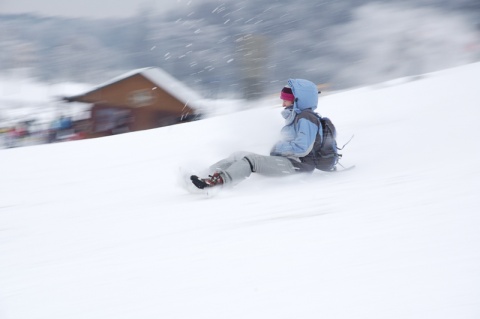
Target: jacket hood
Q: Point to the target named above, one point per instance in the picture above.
(306, 94)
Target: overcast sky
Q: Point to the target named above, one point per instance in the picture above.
(90, 8)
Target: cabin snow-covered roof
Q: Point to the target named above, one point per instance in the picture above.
(163, 80)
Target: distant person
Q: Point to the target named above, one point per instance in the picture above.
(295, 153)
(11, 138)
(53, 130)
(65, 123)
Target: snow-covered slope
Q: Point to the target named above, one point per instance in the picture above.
(102, 228)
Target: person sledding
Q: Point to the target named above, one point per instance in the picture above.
(302, 148)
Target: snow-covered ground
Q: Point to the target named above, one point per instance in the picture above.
(103, 229)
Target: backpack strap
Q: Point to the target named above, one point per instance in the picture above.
(319, 122)
(319, 140)
(341, 148)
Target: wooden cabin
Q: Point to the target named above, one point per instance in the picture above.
(138, 100)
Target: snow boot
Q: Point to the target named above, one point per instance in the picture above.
(202, 183)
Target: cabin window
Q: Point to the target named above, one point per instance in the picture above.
(141, 98)
(112, 119)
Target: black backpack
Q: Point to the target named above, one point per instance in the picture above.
(326, 156)
(325, 152)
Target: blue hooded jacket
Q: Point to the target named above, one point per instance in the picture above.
(305, 93)
(302, 128)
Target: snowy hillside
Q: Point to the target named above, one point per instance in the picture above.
(102, 228)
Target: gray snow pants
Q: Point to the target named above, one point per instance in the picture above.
(240, 165)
